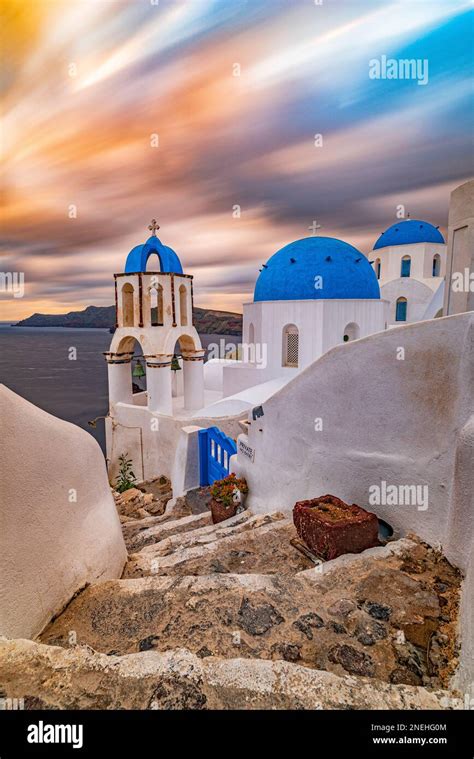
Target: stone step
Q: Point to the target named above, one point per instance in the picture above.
(165, 529)
(132, 527)
(338, 621)
(200, 530)
(258, 544)
(54, 678)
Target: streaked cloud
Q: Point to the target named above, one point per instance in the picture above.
(88, 84)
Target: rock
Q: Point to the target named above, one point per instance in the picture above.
(408, 657)
(369, 634)
(147, 499)
(257, 620)
(338, 628)
(142, 514)
(378, 611)
(174, 692)
(130, 495)
(157, 507)
(287, 651)
(342, 608)
(419, 633)
(353, 661)
(203, 652)
(402, 675)
(307, 623)
(148, 643)
(218, 567)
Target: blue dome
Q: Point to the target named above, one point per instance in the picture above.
(290, 274)
(409, 232)
(138, 257)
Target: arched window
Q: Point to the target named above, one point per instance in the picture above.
(377, 267)
(436, 265)
(183, 306)
(290, 345)
(156, 306)
(127, 305)
(406, 266)
(251, 334)
(401, 310)
(351, 332)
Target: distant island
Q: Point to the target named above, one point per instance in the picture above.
(206, 321)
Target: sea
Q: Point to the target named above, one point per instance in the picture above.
(63, 370)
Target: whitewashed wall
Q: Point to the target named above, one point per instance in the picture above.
(59, 527)
(382, 419)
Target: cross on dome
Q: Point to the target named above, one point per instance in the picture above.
(153, 226)
(314, 227)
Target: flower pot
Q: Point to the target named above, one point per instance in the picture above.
(220, 511)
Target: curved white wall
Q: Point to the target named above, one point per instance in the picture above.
(360, 415)
(50, 544)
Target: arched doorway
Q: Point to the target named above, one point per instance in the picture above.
(127, 373)
(377, 267)
(436, 265)
(351, 332)
(188, 381)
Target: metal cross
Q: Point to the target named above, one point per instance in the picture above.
(153, 227)
(314, 227)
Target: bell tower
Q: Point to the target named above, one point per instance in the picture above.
(155, 308)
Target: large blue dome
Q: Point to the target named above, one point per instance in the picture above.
(408, 232)
(317, 268)
(138, 257)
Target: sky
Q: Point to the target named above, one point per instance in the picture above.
(203, 114)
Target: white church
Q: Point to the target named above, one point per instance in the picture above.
(310, 296)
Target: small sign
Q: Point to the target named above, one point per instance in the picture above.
(246, 450)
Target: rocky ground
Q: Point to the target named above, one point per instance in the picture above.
(232, 615)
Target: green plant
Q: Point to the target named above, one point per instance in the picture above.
(224, 490)
(125, 478)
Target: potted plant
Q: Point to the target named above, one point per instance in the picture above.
(227, 497)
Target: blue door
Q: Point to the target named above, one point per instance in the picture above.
(215, 450)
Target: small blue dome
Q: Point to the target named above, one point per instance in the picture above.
(317, 268)
(408, 232)
(138, 257)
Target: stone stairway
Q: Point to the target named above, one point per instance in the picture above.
(213, 616)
